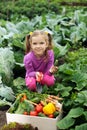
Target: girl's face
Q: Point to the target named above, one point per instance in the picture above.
(38, 45)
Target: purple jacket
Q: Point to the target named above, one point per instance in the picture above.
(33, 65)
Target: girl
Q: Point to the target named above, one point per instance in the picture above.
(39, 60)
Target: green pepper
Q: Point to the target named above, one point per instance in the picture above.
(41, 114)
(56, 113)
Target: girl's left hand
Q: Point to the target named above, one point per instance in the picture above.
(53, 69)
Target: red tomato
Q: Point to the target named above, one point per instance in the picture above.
(25, 113)
(33, 113)
(39, 108)
(51, 116)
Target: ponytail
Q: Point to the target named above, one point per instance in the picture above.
(50, 46)
(27, 44)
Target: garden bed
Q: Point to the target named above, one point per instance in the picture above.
(2, 118)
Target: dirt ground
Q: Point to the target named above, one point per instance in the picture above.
(2, 118)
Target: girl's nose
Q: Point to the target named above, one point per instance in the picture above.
(38, 45)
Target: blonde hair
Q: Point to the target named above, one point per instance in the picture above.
(47, 36)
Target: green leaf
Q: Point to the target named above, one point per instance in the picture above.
(82, 98)
(4, 103)
(85, 114)
(19, 56)
(65, 93)
(75, 112)
(62, 49)
(7, 93)
(80, 79)
(19, 81)
(69, 120)
(81, 127)
(11, 27)
(65, 68)
(2, 31)
(65, 123)
(6, 64)
(63, 90)
(75, 37)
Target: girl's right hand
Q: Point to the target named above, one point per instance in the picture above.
(39, 76)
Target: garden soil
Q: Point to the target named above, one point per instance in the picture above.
(2, 118)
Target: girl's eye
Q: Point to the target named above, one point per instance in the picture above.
(41, 43)
(34, 43)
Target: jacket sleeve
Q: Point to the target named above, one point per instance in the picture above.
(29, 67)
(50, 62)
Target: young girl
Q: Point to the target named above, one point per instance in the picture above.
(39, 60)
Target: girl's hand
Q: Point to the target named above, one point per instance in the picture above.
(39, 76)
(53, 69)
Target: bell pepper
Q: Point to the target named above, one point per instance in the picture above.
(49, 109)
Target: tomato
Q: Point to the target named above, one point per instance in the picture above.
(33, 113)
(25, 113)
(51, 116)
(39, 108)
